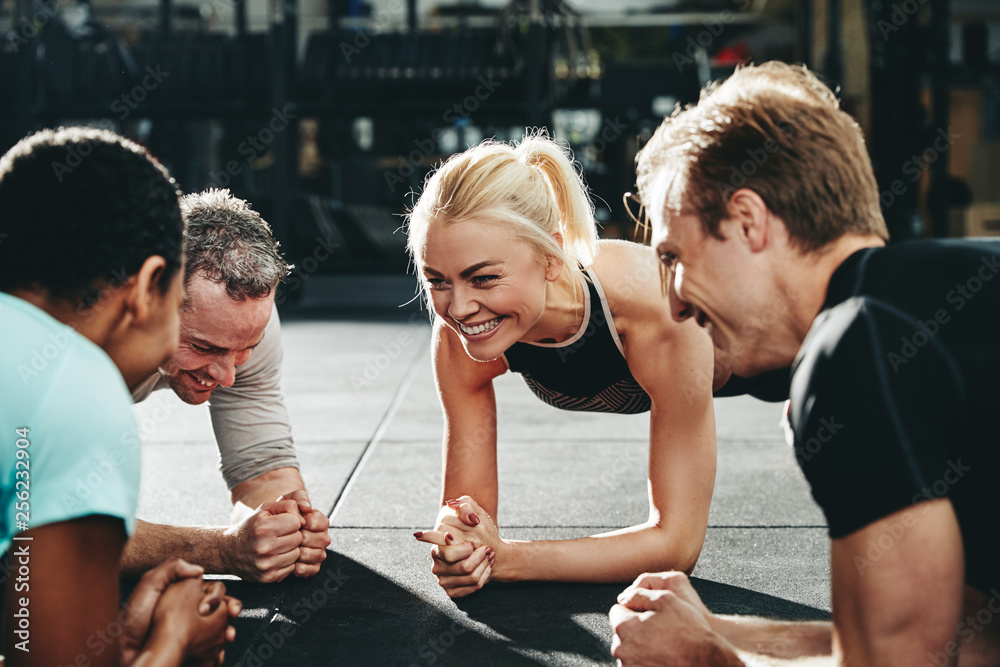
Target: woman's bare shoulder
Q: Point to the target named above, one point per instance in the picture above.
(629, 273)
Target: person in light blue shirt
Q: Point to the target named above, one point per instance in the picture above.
(67, 416)
(91, 272)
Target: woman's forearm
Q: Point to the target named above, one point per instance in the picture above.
(479, 482)
(614, 557)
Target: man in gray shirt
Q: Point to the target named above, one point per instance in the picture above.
(230, 352)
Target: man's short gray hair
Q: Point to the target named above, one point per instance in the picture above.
(229, 243)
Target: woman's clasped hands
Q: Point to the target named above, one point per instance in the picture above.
(467, 548)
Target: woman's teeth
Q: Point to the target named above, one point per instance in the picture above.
(479, 328)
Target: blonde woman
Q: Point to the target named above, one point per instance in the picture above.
(505, 243)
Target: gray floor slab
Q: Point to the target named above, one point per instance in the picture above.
(541, 483)
(332, 418)
(182, 485)
(758, 482)
(788, 563)
(520, 415)
(746, 418)
(163, 417)
(337, 378)
(756, 485)
(341, 376)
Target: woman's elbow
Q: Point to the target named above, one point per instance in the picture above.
(683, 562)
(678, 553)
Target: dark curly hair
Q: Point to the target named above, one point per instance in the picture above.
(82, 209)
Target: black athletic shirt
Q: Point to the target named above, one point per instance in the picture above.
(895, 392)
(586, 373)
(589, 373)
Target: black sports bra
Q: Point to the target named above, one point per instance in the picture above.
(586, 373)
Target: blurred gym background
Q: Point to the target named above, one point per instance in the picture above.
(328, 114)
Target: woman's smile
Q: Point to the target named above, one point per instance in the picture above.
(476, 331)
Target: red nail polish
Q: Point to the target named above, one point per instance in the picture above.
(474, 518)
(449, 538)
(418, 534)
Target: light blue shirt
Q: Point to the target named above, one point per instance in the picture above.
(64, 403)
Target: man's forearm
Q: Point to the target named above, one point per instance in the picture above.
(266, 488)
(154, 543)
(776, 639)
(757, 660)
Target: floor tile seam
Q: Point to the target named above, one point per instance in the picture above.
(383, 426)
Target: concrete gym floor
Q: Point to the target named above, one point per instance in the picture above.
(367, 425)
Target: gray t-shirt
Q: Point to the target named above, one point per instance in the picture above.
(249, 419)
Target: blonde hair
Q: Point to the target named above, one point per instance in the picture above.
(530, 188)
(779, 131)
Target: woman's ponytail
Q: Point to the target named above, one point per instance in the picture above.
(569, 193)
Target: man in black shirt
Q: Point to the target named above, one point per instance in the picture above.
(766, 216)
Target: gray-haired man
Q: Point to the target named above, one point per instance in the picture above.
(230, 351)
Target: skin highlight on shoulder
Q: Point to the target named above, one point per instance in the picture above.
(630, 276)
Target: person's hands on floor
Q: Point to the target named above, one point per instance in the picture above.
(660, 620)
(315, 535)
(265, 546)
(185, 613)
(650, 585)
(213, 597)
(465, 545)
(466, 520)
(138, 612)
(144, 605)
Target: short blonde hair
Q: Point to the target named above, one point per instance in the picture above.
(775, 129)
(530, 188)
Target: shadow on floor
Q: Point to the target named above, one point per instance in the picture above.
(549, 618)
(351, 615)
(726, 599)
(572, 618)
